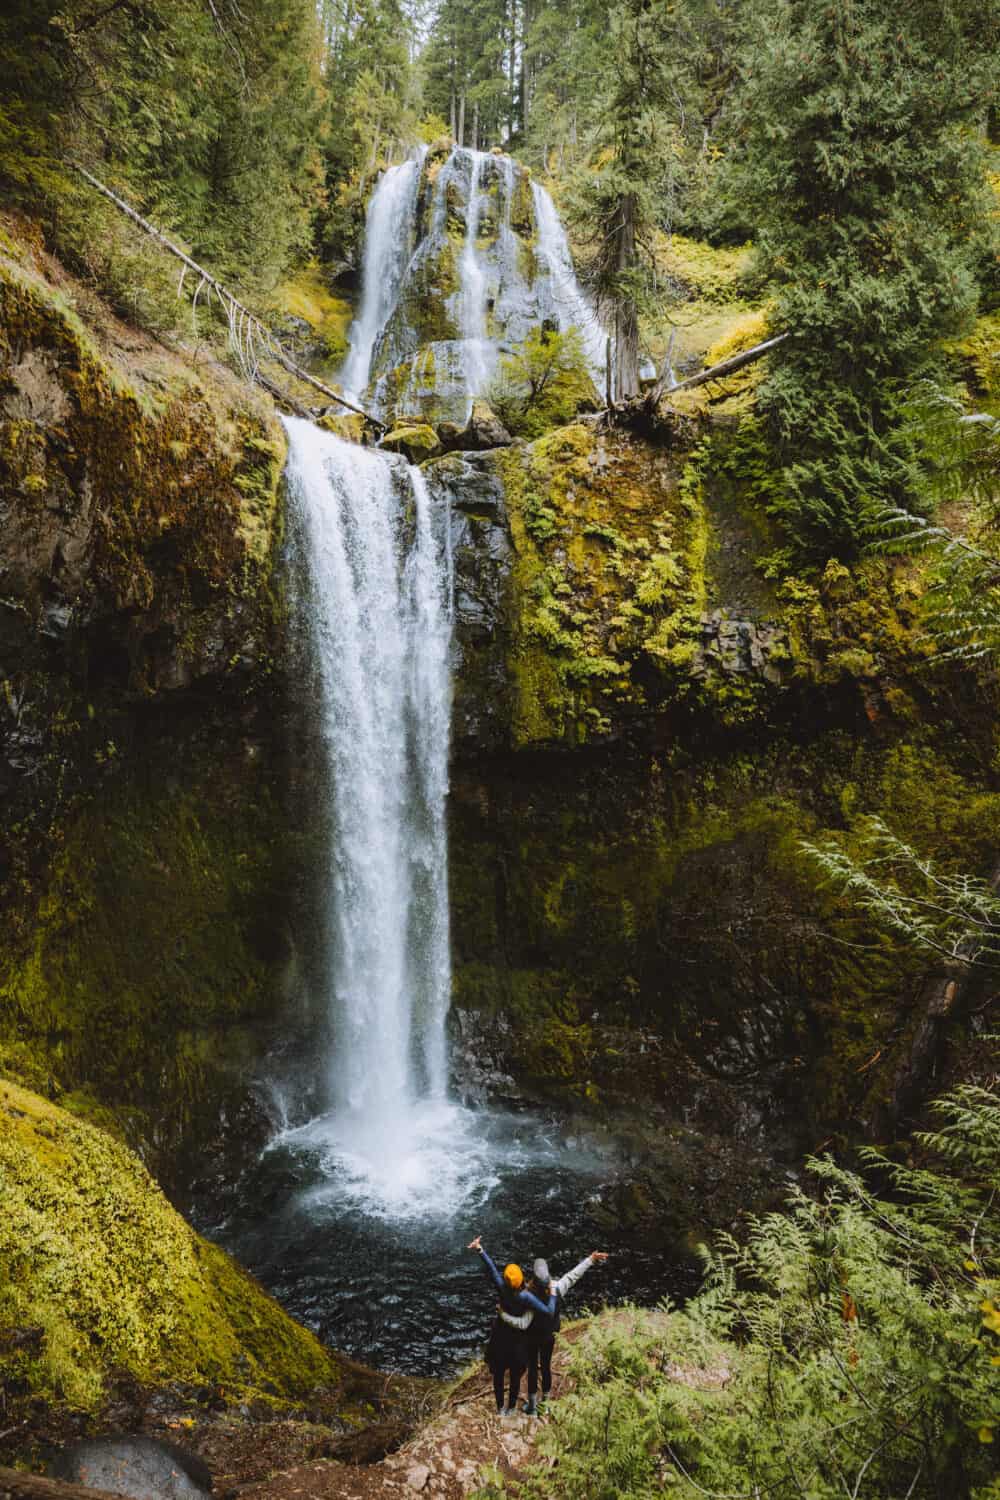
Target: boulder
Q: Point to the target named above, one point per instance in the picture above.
(349, 425)
(416, 442)
(484, 429)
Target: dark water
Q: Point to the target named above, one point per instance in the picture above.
(364, 1240)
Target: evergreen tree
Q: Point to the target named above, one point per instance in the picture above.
(860, 159)
(649, 118)
(206, 116)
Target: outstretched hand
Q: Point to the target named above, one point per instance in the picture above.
(477, 1243)
(598, 1255)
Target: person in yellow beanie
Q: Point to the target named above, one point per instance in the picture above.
(506, 1352)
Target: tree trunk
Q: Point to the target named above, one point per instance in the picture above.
(626, 314)
(475, 126)
(460, 137)
(453, 122)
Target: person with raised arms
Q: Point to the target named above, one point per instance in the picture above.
(540, 1328)
(506, 1351)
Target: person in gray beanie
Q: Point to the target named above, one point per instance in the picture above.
(540, 1329)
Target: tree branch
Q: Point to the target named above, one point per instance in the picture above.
(244, 326)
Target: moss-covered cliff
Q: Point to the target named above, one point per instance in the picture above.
(142, 926)
(638, 929)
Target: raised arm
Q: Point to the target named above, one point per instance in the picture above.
(571, 1278)
(523, 1322)
(488, 1265)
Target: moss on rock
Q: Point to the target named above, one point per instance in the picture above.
(418, 442)
(608, 567)
(95, 1257)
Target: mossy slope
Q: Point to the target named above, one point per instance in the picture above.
(94, 1255)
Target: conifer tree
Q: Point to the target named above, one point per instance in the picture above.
(649, 114)
(860, 159)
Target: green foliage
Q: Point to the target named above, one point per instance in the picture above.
(858, 157)
(961, 465)
(634, 172)
(954, 917)
(207, 117)
(847, 1346)
(543, 383)
(373, 107)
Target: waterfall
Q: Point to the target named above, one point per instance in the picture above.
(388, 231)
(571, 306)
(377, 596)
(472, 297)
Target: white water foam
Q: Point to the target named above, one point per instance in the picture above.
(378, 602)
(388, 234)
(571, 306)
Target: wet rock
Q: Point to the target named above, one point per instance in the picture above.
(482, 559)
(138, 1466)
(483, 430)
(738, 647)
(417, 442)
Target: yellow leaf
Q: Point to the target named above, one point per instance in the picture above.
(986, 1434)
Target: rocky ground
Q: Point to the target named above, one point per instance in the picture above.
(447, 1457)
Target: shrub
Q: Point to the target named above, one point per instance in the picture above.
(543, 383)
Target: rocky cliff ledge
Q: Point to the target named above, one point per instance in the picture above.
(650, 721)
(143, 927)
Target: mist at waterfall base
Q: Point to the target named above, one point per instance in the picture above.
(357, 1218)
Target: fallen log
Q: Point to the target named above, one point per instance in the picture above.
(714, 372)
(15, 1485)
(249, 335)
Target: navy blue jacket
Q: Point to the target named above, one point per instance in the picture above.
(525, 1300)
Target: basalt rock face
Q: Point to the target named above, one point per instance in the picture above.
(143, 927)
(647, 734)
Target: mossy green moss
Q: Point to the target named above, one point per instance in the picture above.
(94, 1255)
(671, 891)
(156, 946)
(136, 945)
(307, 295)
(162, 479)
(609, 568)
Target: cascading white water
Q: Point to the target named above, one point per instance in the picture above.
(388, 235)
(472, 299)
(571, 306)
(378, 610)
(374, 553)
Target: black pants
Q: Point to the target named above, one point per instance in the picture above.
(540, 1354)
(514, 1372)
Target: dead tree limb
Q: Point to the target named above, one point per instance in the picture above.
(941, 994)
(249, 335)
(716, 372)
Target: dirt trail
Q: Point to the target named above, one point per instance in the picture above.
(443, 1459)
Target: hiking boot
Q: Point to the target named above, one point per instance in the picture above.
(509, 1411)
(530, 1407)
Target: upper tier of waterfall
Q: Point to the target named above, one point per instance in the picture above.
(464, 255)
